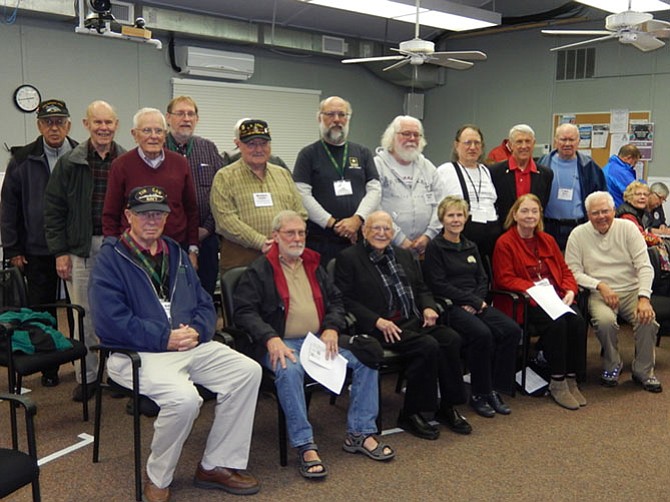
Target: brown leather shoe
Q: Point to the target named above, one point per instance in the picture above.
(154, 494)
(235, 481)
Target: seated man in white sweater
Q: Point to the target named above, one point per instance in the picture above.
(609, 257)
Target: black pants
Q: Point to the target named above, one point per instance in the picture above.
(432, 355)
(563, 340)
(491, 340)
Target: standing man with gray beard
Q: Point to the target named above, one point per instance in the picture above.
(337, 180)
(410, 185)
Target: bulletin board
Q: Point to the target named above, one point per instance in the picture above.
(600, 155)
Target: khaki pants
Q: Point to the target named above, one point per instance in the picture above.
(604, 320)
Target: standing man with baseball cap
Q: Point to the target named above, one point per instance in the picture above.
(22, 207)
(248, 194)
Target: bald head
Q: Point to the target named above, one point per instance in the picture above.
(101, 121)
(333, 117)
(566, 141)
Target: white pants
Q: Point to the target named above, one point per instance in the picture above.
(168, 378)
(77, 286)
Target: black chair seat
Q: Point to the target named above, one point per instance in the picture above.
(27, 364)
(23, 470)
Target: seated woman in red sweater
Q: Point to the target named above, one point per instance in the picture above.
(525, 256)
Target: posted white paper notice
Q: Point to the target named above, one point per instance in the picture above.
(328, 372)
(547, 298)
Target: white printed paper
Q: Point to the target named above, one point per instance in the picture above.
(328, 372)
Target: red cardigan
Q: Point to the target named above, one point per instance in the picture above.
(511, 259)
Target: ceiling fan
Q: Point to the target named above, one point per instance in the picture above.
(418, 51)
(638, 29)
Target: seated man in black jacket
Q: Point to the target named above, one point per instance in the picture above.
(383, 288)
(283, 296)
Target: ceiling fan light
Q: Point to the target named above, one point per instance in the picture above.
(616, 6)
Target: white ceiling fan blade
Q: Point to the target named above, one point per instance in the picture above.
(584, 42)
(369, 60)
(454, 64)
(576, 32)
(656, 28)
(471, 55)
(399, 64)
(646, 43)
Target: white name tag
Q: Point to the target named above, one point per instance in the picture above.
(429, 198)
(343, 187)
(166, 307)
(263, 199)
(565, 194)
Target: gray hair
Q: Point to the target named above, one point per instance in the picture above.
(148, 111)
(324, 102)
(394, 127)
(563, 127)
(520, 128)
(660, 189)
(283, 216)
(594, 196)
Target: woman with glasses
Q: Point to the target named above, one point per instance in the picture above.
(465, 176)
(526, 256)
(454, 269)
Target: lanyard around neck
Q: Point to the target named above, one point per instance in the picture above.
(156, 279)
(338, 168)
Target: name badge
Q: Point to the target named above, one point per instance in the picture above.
(263, 199)
(565, 194)
(166, 307)
(429, 198)
(343, 187)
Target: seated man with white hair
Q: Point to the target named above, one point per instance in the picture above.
(608, 256)
(410, 185)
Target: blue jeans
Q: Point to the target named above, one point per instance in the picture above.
(363, 403)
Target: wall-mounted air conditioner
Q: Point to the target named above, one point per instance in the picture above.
(214, 63)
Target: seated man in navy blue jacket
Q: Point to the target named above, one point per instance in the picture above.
(145, 295)
(281, 297)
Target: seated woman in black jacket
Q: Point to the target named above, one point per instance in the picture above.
(453, 269)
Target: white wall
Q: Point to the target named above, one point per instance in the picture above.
(80, 69)
(516, 85)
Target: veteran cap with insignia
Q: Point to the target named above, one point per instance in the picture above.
(252, 129)
(52, 108)
(148, 198)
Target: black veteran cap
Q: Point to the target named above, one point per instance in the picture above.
(148, 198)
(252, 129)
(52, 108)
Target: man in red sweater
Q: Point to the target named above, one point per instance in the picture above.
(151, 164)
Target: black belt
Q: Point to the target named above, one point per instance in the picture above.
(567, 222)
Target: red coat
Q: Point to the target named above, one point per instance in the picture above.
(511, 259)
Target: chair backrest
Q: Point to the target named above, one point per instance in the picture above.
(13, 291)
(229, 282)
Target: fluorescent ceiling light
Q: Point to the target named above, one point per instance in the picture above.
(616, 6)
(459, 18)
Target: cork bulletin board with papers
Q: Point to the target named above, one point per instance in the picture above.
(601, 134)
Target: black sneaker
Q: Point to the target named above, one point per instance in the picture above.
(50, 379)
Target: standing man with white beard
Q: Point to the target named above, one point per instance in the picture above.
(410, 185)
(337, 180)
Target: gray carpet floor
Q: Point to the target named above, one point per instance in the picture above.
(617, 448)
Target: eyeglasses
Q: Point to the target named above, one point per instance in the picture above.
(150, 215)
(181, 114)
(568, 140)
(641, 194)
(410, 134)
(148, 131)
(381, 228)
(292, 234)
(259, 143)
(59, 122)
(470, 143)
(339, 115)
